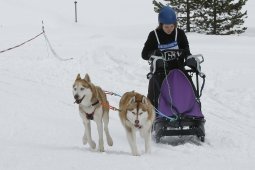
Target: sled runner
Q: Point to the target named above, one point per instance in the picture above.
(175, 92)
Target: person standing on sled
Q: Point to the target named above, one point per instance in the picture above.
(166, 36)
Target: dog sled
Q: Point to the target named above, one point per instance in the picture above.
(175, 91)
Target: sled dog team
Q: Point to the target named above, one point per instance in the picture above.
(135, 111)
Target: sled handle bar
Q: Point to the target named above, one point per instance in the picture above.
(200, 57)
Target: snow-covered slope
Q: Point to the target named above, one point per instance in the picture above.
(40, 127)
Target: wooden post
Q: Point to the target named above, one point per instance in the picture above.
(75, 5)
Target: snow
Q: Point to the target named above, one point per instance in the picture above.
(40, 127)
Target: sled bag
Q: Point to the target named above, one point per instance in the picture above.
(177, 96)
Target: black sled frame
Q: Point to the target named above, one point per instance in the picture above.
(181, 127)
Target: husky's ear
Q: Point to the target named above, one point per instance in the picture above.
(87, 78)
(78, 77)
(144, 100)
(132, 100)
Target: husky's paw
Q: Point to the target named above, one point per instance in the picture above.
(109, 141)
(84, 140)
(148, 151)
(101, 149)
(148, 148)
(92, 144)
(101, 146)
(136, 154)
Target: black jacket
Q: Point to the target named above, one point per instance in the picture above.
(151, 44)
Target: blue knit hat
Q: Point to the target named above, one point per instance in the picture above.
(167, 15)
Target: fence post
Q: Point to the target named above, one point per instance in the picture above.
(75, 5)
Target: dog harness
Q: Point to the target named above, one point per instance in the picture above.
(91, 115)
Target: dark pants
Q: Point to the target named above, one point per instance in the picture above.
(154, 88)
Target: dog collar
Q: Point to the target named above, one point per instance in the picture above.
(95, 103)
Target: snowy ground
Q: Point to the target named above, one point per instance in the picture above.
(40, 127)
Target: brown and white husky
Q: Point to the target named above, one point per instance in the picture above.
(136, 114)
(90, 98)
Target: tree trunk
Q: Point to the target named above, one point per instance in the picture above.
(214, 17)
(188, 16)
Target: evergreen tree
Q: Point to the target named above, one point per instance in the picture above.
(221, 17)
(210, 16)
(183, 13)
(157, 6)
(185, 10)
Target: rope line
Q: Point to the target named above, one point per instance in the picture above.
(116, 109)
(22, 43)
(169, 89)
(111, 93)
(47, 42)
(167, 117)
(106, 105)
(53, 51)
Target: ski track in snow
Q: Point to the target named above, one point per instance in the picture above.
(40, 127)
(223, 127)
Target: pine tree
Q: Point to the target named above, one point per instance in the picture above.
(185, 9)
(208, 16)
(182, 8)
(221, 17)
(157, 6)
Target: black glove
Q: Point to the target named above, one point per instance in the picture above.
(192, 63)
